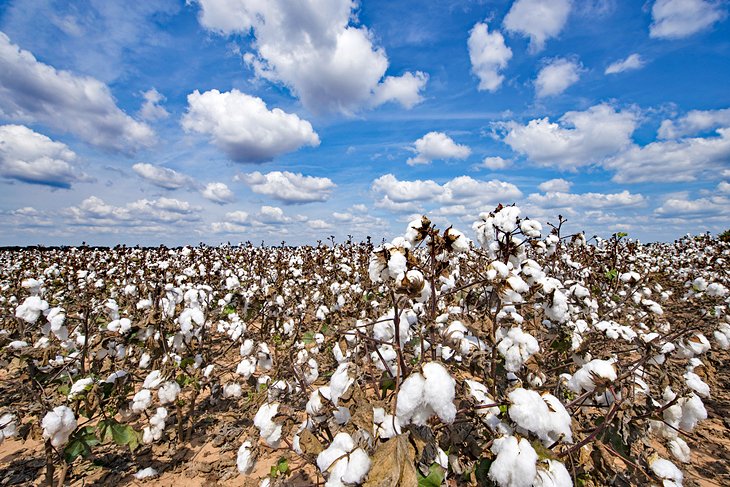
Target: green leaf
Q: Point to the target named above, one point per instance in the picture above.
(228, 310)
(482, 472)
(308, 337)
(64, 389)
(123, 434)
(622, 234)
(612, 274)
(281, 468)
(80, 443)
(435, 476)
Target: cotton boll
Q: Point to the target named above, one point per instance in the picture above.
(516, 347)
(358, 466)
(58, 425)
(543, 415)
(232, 390)
(531, 228)
(269, 430)
(168, 392)
(141, 401)
(695, 383)
(8, 426)
(80, 386)
(680, 449)
(146, 473)
(340, 381)
(439, 391)
(385, 425)
(341, 445)
(153, 380)
(582, 380)
(245, 458)
(667, 471)
(246, 368)
(552, 473)
(515, 465)
(31, 309)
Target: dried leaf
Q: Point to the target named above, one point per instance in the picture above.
(393, 464)
(309, 443)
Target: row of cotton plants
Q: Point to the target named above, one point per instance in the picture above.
(519, 357)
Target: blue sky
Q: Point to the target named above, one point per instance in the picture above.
(230, 120)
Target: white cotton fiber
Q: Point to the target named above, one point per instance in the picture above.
(582, 380)
(141, 401)
(58, 425)
(515, 465)
(667, 471)
(543, 415)
(439, 391)
(244, 458)
(168, 392)
(270, 431)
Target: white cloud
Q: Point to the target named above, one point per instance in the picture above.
(406, 191)
(31, 91)
(161, 176)
(555, 77)
(537, 19)
(554, 199)
(578, 139)
(694, 122)
(462, 191)
(488, 55)
(723, 187)
(405, 89)
(151, 108)
(555, 185)
(706, 208)
(675, 19)
(242, 126)
(218, 193)
(319, 225)
(437, 145)
(271, 215)
(632, 62)
(289, 187)
(312, 49)
(672, 160)
(93, 211)
(494, 163)
(33, 158)
(239, 216)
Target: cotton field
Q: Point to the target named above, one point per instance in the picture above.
(507, 354)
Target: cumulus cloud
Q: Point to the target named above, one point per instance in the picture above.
(672, 160)
(577, 139)
(314, 50)
(694, 122)
(539, 20)
(557, 199)
(151, 108)
(461, 193)
(709, 207)
(31, 91)
(675, 19)
(289, 187)
(244, 128)
(93, 211)
(723, 187)
(162, 176)
(437, 145)
(556, 76)
(488, 55)
(494, 163)
(218, 193)
(271, 215)
(555, 185)
(26, 155)
(631, 63)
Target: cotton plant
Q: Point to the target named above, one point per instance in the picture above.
(343, 463)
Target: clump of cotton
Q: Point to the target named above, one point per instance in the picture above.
(153, 380)
(141, 401)
(270, 431)
(668, 472)
(232, 390)
(516, 347)
(31, 309)
(79, 387)
(516, 462)
(422, 396)
(345, 463)
(58, 425)
(584, 378)
(8, 426)
(385, 425)
(146, 473)
(543, 415)
(552, 473)
(245, 458)
(153, 432)
(168, 392)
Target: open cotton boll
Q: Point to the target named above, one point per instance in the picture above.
(516, 347)
(232, 390)
(246, 368)
(346, 464)
(439, 390)
(358, 466)
(479, 392)
(456, 240)
(531, 228)
(80, 386)
(245, 458)
(269, 430)
(552, 473)
(146, 473)
(58, 425)
(695, 383)
(188, 317)
(716, 290)
(168, 392)
(341, 445)
(31, 309)
(543, 415)
(515, 465)
(722, 336)
(385, 425)
(667, 471)
(8, 426)
(680, 449)
(141, 401)
(153, 380)
(340, 382)
(411, 405)
(582, 380)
